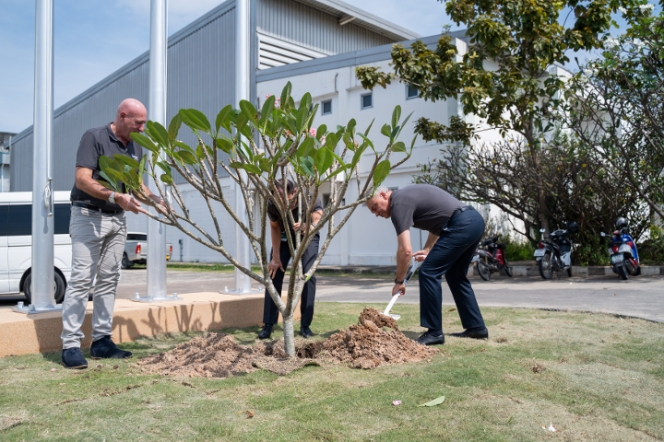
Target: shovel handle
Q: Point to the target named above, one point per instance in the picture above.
(391, 304)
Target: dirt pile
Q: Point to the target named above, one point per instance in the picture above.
(368, 345)
(364, 345)
(211, 356)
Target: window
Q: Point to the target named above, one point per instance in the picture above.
(326, 107)
(367, 101)
(411, 92)
(137, 237)
(18, 219)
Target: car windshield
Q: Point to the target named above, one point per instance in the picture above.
(137, 237)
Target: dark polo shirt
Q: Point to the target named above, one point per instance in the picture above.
(273, 215)
(95, 143)
(422, 206)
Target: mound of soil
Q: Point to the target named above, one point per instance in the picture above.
(367, 345)
(211, 356)
(364, 345)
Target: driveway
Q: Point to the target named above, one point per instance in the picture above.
(640, 296)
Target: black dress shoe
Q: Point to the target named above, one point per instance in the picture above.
(429, 339)
(476, 334)
(306, 332)
(266, 332)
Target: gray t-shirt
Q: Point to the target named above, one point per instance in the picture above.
(95, 143)
(423, 206)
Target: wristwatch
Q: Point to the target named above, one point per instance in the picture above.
(111, 198)
(397, 282)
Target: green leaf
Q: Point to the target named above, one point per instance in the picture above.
(174, 127)
(224, 118)
(125, 160)
(236, 165)
(167, 179)
(322, 130)
(331, 141)
(252, 168)
(225, 144)
(366, 132)
(386, 130)
(187, 157)
(268, 106)
(396, 114)
(307, 166)
(399, 146)
(437, 401)
(249, 111)
(323, 160)
(305, 147)
(381, 172)
(157, 132)
(144, 141)
(285, 94)
(195, 119)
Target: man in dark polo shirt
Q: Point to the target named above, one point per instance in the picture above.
(281, 255)
(98, 232)
(455, 231)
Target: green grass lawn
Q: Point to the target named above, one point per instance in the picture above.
(594, 377)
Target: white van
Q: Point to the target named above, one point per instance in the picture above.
(16, 243)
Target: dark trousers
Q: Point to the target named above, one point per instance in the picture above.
(270, 309)
(451, 256)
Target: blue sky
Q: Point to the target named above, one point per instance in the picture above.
(93, 38)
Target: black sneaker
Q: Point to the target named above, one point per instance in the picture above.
(266, 332)
(73, 358)
(306, 332)
(104, 348)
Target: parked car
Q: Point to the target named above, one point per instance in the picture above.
(16, 243)
(136, 250)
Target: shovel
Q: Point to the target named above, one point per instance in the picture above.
(413, 266)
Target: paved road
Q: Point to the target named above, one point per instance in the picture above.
(640, 297)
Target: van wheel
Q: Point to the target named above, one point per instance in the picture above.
(126, 264)
(59, 288)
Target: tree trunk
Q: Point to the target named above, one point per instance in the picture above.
(289, 336)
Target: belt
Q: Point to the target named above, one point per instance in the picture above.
(459, 210)
(95, 208)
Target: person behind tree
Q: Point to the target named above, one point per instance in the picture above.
(279, 260)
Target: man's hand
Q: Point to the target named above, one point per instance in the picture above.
(275, 265)
(128, 202)
(420, 255)
(399, 288)
(296, 226)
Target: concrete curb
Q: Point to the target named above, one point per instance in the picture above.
(209, 311)
(518, 270)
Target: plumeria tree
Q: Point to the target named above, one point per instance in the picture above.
(259, 150)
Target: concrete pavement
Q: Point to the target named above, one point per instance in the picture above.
(641, 296)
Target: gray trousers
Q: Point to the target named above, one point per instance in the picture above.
(98, 241)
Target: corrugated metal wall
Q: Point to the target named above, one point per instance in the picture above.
(201, 74)
(314, 28)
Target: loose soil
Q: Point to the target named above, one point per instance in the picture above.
(376, 340)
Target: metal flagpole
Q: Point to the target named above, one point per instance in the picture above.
(42, 272)
(156, 262)
(242, 67)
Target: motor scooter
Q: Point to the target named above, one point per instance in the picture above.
(555, 252)
(490, 257)
(622, 250)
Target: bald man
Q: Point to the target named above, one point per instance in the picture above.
(98, 233)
